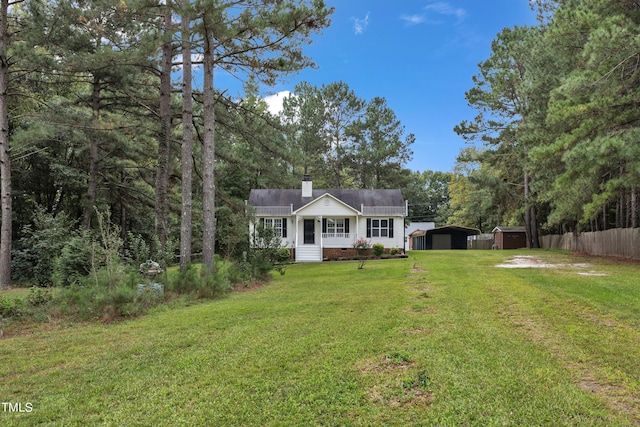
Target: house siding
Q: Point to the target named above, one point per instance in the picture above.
(334, 245)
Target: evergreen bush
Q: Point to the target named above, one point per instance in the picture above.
(378, 249)
(11, 307)
(39, 244)
(76, 260)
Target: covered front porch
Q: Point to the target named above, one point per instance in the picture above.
(316, 233)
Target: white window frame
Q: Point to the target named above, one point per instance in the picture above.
(275, 224)
(335, 226)
(379, 227)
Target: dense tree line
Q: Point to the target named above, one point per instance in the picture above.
(95, 120)
(105, 122)
(558, 115)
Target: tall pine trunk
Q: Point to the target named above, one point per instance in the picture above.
(5, 152)
(187, 141)
(92, 185)
(164, 139)
(530, 219)
(208, 156)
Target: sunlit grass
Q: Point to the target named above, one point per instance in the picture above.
(440, 338)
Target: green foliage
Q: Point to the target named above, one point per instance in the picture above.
(77, 259)
(186, 281)
(378, 249)
(195, 281)
(36, 251)
(558, 114)
(217, 283)
(145, 300)
(394, 251)
(265, 252)
(11, 306)
(428, 196)
(357, 349)
(137, 250)
(38, 296)
(97, 302)
(345, 141)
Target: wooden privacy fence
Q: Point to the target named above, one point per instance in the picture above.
(622, 242)
(480, 241)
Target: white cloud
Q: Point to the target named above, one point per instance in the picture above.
(360, 24)
(444, 8)
(413, 19)
(275, 101)
(435, 12)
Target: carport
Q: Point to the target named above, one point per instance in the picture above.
(449, 237)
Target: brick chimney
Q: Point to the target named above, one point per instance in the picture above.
(307, 186)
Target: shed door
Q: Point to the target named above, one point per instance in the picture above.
(442, 241)
(309, 232)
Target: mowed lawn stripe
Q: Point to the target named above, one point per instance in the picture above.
(438, 338)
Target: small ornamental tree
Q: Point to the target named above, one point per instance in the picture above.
(361, 245)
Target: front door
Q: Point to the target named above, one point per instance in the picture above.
(309, 232)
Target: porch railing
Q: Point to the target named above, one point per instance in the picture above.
(338, 235)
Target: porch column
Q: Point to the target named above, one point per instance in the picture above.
(295, 245)
(321, 239)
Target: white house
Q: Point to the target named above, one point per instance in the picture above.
(324, 224)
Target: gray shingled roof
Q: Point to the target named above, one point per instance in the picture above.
(353, 198)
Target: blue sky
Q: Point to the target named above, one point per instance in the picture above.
(418, 54)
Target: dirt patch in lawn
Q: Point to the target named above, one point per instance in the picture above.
(529, 261)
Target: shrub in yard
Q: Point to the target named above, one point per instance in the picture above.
(187, 280)
(394, 251)
(361, 245)
(38, 296)
(75, 261)
(11, 307)
(217, 283)
(98, 302)
(281, 259)
(241, 272)
(265, 251)
(378, 249)
(202, 284)
(38, 246)
(282, 256)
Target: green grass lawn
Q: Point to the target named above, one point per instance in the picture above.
(441, 338)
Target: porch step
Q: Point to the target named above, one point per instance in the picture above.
(308, 254)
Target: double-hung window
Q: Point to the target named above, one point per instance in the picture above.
(336, 227)
(380, 227)
(279, 225)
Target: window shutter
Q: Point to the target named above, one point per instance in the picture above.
(324, 225)
(284, 228)
(369, 227)
(390, 227)
(346, 225)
